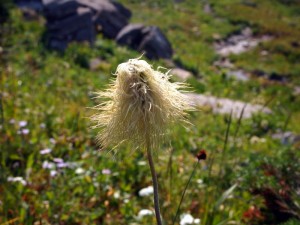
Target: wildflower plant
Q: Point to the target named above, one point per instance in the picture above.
(138, 107)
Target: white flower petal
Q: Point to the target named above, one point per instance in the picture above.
(144, 212)
(23, 123)
(45, 151)
(146, 191)
(79, 171)
(186, 219)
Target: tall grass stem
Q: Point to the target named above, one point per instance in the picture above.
(222, 166)
(170, 171)
(1, 110)
(183, 193)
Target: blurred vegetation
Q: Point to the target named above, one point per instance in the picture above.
(44, 103)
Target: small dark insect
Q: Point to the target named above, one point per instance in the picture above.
(201, 155)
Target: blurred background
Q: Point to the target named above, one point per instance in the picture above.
(241, 59)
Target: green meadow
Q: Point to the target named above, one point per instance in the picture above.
(51, 168)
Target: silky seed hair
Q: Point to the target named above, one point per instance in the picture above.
(139, 106)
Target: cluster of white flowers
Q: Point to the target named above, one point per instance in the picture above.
(144, 212)
(188, 219)
(45, 151)
(17, 179)
(146, 191)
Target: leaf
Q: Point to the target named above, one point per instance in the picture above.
(30, 161)
(223, 222)
(15, 157)
(225, 195)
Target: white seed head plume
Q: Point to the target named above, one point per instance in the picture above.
(141, 103)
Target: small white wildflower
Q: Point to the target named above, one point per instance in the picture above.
(256, 140)
(116, 174)
(197, 221)
(106, 171)
(79, 171)
(25, 131)
(186, 219)
(46, 204)
(200, 181)
(146, 191)
(62, 164)
(142, 163)
(52, 141)
(144, 212)
(85, 155)
(53, 173)
(48, 165)
(17, 179)
(126, 197)
(23, 123)
(12, 121)
(117, 195)
(45, 151)
(58, 160)
(42, 125)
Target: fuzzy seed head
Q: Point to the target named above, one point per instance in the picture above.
(139, 105)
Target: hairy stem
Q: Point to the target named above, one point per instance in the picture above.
(155, 183)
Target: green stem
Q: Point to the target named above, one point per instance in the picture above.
(155, 183)
(186, 186)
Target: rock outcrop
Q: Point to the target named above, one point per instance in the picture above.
(79, 20)
(147, 39)
(226, 106)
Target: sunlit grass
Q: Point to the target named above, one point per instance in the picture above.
(51, 92)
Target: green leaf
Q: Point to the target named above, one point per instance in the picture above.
(225, 195)
(15, 157)
(30, 161)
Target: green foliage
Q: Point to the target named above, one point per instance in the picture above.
(75, 183)
(276, 180)
(291, 222)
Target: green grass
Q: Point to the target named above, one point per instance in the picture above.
(52, 92)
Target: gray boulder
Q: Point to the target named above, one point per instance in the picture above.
(75, 27)
(35, 5)
(110, 17)
(78, 20)
(147, 39)
(58, 9)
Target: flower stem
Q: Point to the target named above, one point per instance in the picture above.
(155, 183)
(183, 194)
